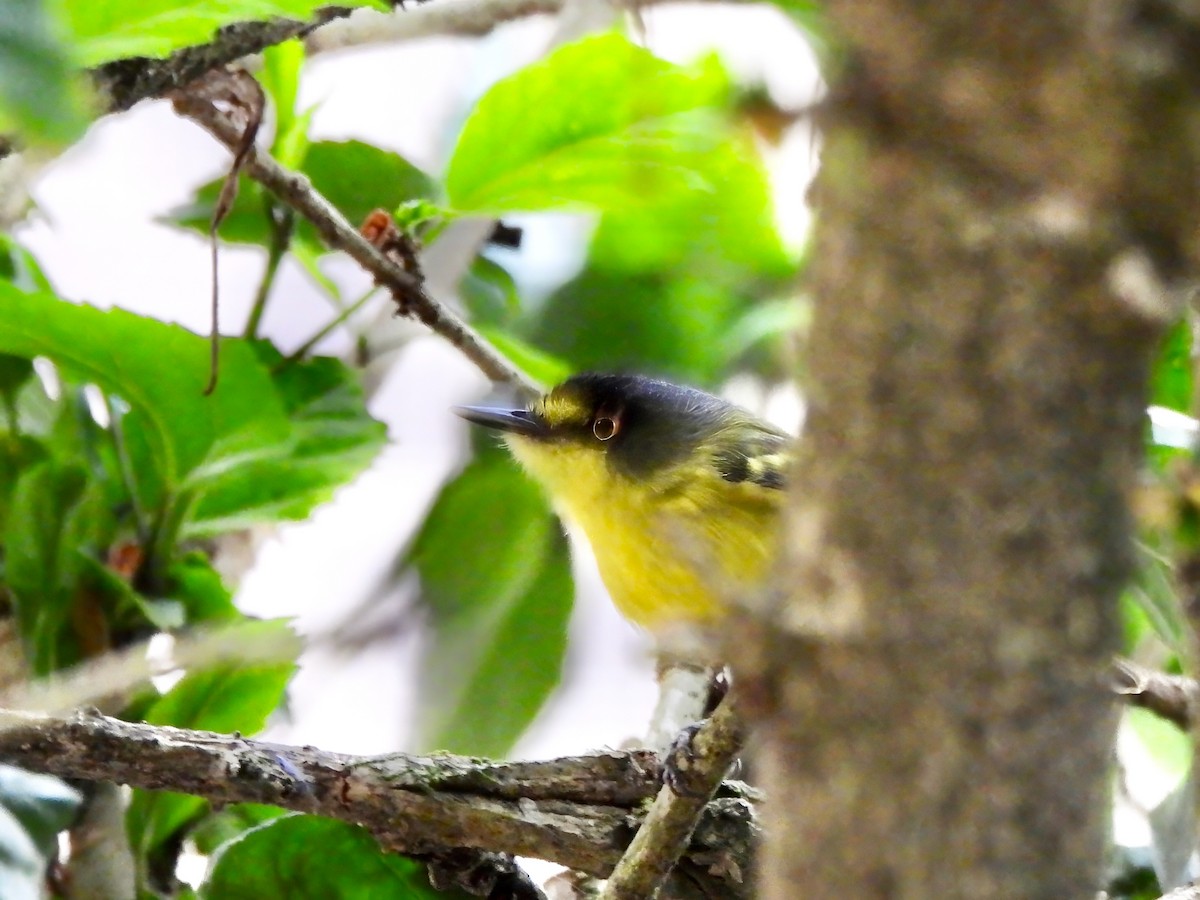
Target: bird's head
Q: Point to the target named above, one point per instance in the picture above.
(636, 426)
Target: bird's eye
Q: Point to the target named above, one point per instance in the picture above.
(604, 427)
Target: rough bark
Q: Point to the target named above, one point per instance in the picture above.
(1007, 222)
(580, 812)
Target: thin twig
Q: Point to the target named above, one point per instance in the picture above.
(118, 673)
(573, 811)
(246, 102)
(326, 329)
(297, 192)
(282, 221)
(667, 829)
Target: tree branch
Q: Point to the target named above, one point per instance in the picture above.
(123, 82)
(576, 811)
(459, 18)
(296, 191)
(1174, 697)
(667, 829)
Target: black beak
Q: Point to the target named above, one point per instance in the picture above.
(513, 421)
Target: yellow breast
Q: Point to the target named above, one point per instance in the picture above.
(669, 550)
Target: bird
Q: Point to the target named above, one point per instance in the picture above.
(678, 492)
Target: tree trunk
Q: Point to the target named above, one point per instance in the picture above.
(1007, 221)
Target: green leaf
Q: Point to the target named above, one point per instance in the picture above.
(301, 857)
(335, 439)
(280, 79)
(43, 804)
(542, 367)
(515, 662)
(355, 177)
(226, 697)
(116, 29)
(14, 372)
(125, 608)
(1172, 383)
(495, 575)
(489, 293)
(161, 370)
(230, 823)
(198, 586)
(17, 453)
(246, 222)
(1154, 593)
(359, 178)
(41, 93)
(600, 123)
(56, 517)
(231, 695)
(676, 327)
(20, 267)
(727, 231)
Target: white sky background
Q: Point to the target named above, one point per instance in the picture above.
(97, 237)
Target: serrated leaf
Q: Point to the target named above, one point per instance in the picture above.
(226, 697)
(311, 858)
(116, 29)
(161, 370)
(495, 577)
(334, 439)
(633, 134)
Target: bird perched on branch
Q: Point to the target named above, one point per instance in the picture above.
(679, 492)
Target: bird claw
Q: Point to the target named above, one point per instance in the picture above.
(679, 764)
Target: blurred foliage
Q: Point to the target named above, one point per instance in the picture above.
(496, 579)
(307, 858)
(41, 94)
(117, 472)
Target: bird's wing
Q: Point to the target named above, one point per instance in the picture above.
(753, 452)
